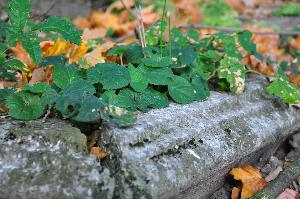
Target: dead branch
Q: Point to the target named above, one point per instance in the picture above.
(233, 29)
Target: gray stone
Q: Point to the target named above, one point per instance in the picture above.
(185, 151)
(48, 160)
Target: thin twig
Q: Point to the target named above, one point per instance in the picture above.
(46, 115)
(128, 9)
(45, 14)
(233, 29)
(121, 39)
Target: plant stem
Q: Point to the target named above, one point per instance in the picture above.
(161, 28)
(170, 37)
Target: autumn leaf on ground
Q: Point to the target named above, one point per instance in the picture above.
(295, 43)
(22, 55)
(251, 179)
(97, 55)
(98, 152)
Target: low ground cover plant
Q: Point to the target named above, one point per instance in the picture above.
(182, 69)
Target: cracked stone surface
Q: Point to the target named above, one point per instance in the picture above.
(48, 160)
(184, 151)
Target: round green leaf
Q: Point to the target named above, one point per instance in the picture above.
(25, 106)
(157, 61)
(111, 76)
(181, 90)
(64, 75)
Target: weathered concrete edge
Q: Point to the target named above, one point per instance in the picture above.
(158, 153)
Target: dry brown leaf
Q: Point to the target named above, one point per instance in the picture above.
(96, 56)
(74, 52)
(104, 19)
(22, 55)
(52, 49)
(98, 152)
(38, 75)
(186, 12)
(235, 193)
(95, 33)
(149, 16)
(82, 22)
(266, 44)
(295, 43)
(251, 179)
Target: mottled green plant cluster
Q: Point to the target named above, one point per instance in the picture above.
(182, 70)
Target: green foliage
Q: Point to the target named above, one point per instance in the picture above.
(289, 93)
(25, 106)
(111, 76)
(245, 41)
(289, 9)
(22, 29)
(183, 70)
(18, 13)
(67, 30)
(64, 75)
(218, 13)
(181, 90)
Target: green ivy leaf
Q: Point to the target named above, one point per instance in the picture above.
(178, 38)
(181, 90)
(47, 93)
(281, 87)
(67, 30)
(245, 41)
(59, 60)
(48, 97)
(124, 99)
(18, 13)
(25, 106)
(151, 98)
(234, 73)
(31, 44)
(118, 50)
(111, 76)
(4, 94)
(134, 54)
(156, 76)
(201, 87)
(156, 61)
(70, 98)
(64, 75)
(12, 36)
(14, 64)
(89, 110)
(37, 88)
(138, 81)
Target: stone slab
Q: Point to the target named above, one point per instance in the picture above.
(185, 151)
(48, 160)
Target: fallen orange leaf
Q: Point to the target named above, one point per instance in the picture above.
(98, 152)
(235, 193)
(96, 56)
(22, 55)
(251, 179)
(50, 49)
(94, 33)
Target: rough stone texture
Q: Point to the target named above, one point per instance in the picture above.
(185, 151)
(48, 160)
